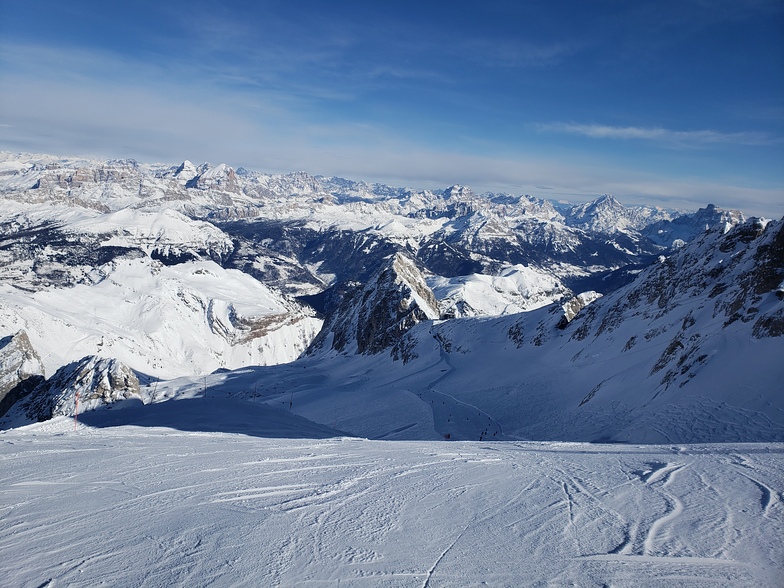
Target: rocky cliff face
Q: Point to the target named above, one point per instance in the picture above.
(732, 272)
(574, 305)
(82, 385)
(372, 318)
(669, 232)
(20, 369)
(726, 281)
(688, 352)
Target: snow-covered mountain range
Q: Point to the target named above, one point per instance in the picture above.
(232, 378)
(393, 298)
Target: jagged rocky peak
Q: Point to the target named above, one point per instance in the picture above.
(372, 318)
(539, 208)
(21, 369)
(606, 202)
(91, 382)
(604, 215)
(714, 217)
(458, 192)
(408, 273)
(221, 177)
(185, 172)
(688, 226)
(303, 183)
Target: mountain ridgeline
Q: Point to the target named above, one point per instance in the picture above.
(593, 321)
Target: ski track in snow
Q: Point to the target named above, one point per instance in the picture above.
(149, 506)
(454, 418)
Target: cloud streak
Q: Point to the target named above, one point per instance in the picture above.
(79, 102)
(701, 138)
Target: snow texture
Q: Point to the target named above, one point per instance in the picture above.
(175, 498)
(163, 321)
(516, 289)
(332, 468)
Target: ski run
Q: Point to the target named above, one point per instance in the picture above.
(100, 503)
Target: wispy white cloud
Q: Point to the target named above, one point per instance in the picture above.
(85, 103)
(63, 119)
(701, 138)
(514, 54)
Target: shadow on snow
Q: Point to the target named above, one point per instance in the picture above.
(207, 415)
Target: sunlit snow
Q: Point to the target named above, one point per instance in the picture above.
(164, 321)
(181, 498)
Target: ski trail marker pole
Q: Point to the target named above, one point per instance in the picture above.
(76, 409)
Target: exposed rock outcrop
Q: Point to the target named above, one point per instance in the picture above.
(91, 382)
(20, 369)
(729, 275)
(574, 305)
(372, 318)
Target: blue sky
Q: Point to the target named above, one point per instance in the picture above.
(676, 103)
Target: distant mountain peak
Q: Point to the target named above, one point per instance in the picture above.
(458, 192)
(220, 177)
(688, 226)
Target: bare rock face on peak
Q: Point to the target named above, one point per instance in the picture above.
(574, 305)
(92, 382)
(604, 215)
(690, 226)
(20, 369)
(185, 172)
(221, 177)
(372, 318)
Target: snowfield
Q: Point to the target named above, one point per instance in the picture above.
(164, 321)
(181, 498)
(413, 427)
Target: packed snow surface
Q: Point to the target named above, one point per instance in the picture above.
(174, 494)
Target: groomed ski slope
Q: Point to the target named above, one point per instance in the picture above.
(184, 498)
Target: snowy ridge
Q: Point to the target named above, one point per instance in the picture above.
(515, 289)
(452, 232)
(681, 355)
(375, 317)
(204, 190)
(220, 193)
(163, 321)
(58, 245)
